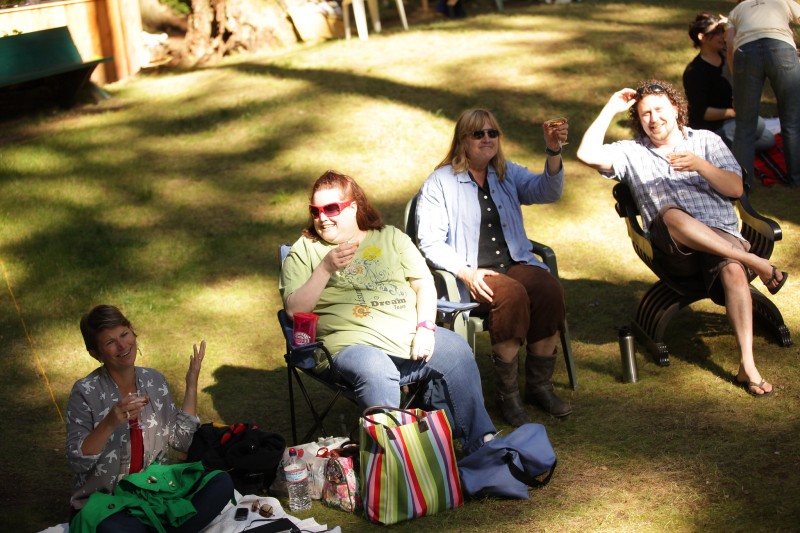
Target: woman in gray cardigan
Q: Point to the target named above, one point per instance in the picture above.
(121, 418)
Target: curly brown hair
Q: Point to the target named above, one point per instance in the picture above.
(367, 216)
(648, 87)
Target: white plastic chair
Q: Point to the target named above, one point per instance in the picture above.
(359, 13)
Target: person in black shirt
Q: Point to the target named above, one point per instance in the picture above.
(708, 87)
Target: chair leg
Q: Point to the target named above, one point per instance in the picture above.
(409, 395)
(660, 303)
(359, 13)
(402, 11)
(461, 325)
(291, 405)
(318, 416)
(346, 9)
(566, 347)
(657, 349)
(655, 310)
(471, 336)
(375, 15)
(768, 313)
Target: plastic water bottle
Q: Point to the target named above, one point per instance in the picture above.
(297, 481)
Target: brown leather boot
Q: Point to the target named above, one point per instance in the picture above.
(538, 387)
(507, 389)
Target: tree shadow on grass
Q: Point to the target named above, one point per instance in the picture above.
(45, 480)
(643, 433)
(261, 397)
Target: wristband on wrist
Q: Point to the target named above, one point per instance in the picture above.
(427, 324)
(552, 152)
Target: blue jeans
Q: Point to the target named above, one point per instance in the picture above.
(453, 383)
(752, 64)
(764, 137)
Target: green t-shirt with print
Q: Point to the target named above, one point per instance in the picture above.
(369, 302)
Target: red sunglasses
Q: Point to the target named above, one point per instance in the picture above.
(330, 210)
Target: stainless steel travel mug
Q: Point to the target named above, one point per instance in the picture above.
(627, 351)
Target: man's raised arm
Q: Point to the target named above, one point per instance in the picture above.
(591, 151)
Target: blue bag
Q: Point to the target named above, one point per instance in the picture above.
(506, 466)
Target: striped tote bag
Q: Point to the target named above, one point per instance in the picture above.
(408, 466)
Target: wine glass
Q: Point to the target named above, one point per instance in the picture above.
(137, 424)
(555, 123)
(672, 155)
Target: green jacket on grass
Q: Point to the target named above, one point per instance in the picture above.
(159, 495)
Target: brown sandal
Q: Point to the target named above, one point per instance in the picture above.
(747, 386)
(774, 279)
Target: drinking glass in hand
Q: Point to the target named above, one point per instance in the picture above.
(555, 123)
(137, 422)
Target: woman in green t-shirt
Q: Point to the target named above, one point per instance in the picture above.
(376, 300)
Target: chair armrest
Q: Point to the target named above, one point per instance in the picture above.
(761, 232)
(305, 355)
(448, 306)
(450, 310)
(547, 255)
(626, 208)
(446, 285)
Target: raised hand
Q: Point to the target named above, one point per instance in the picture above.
(195, 364)
(622, 100)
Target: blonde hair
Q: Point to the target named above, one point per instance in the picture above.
(469, 121)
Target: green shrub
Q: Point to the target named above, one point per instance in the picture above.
(181, 7)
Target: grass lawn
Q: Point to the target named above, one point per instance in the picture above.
(170, 200)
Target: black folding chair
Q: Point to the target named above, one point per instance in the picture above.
(301, 362)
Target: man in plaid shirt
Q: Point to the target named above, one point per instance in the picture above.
(683, 181)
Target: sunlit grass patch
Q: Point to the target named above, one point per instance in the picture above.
(171, 198)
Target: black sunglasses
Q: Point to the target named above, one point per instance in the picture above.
(492, 133)
(649, 89)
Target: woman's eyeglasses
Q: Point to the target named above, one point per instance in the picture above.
(330, 210)
(649, 89)
(492, 133)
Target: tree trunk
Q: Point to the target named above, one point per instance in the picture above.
(214, 30)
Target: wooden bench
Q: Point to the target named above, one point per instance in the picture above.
(46, 57)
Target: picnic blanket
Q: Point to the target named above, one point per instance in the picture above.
(225, 523)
